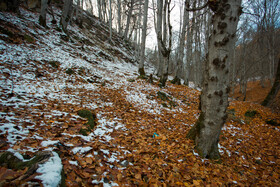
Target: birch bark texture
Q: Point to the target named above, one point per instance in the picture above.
(214, 97)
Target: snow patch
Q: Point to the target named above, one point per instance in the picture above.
(51, 171)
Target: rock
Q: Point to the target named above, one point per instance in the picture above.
(91, 121)
(124, 163)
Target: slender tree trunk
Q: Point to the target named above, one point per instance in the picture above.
(275, 88)
(143, 39)
(119, 17)
(99, 6)
(110, 19)
(214, 98)
(180, 57)
(66, 14)
(42, 18)
(189, 50)
(159, 35)
(128, 20)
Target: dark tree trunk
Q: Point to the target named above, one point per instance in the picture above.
(275, 88)
(66, 14)
(11, 5)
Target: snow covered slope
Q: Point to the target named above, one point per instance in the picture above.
(46, 77)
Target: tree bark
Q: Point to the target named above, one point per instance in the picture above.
(143, 39)
(180, 57)
(119, 17)
(66, 14)
(42, 18)
(275, 88)
(128, 19)
(214, 98)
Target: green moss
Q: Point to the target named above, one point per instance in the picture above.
(176, 80)
(251, 113)
(91, 121)
(131, 80)
(195, 130)
(7, 159)
(28, 38)
(81, 71)
(141, 72)
(164, 105)
(70, 71)
(83, 132)
(54, 64)
(231, 112)
(163, 96)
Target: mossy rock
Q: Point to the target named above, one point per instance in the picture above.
(163, 96)
(70, 71)
(28, 38)
(251, 113)
(10, 161)
(81, 71)
(91, 117)
(131, 80)
(172, 104)
(54, 64)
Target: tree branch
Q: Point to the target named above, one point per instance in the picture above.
(198, 8)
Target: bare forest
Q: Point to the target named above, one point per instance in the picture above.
(139, 92)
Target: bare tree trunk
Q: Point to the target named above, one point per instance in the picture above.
(189, 50)
(128, 20)
(164, 50)
(275, 88)
(119, 17)
(180, 57)
(214, 98)
(42, 18)
(99, 6)
(143, 40)
(110, 19)
(66, 14)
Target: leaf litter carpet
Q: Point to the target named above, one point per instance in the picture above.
(139, 138)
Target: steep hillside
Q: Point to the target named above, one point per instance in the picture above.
(76, 106)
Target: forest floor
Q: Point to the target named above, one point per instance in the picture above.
(256, 93)
(139, 133)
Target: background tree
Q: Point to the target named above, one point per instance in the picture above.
(164, 45)
(42, 18)
(143, 40)
(275, 88)
(66, 14)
